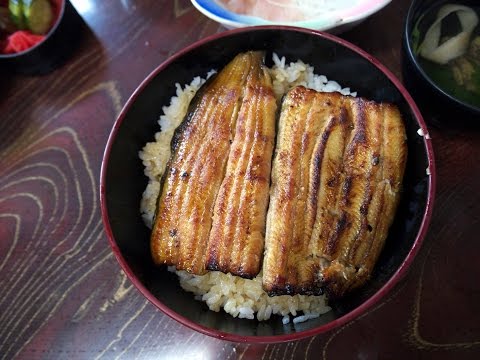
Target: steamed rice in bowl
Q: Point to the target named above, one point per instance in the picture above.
(239, 297)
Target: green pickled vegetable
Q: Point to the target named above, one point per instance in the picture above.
(16, 13)
(38, 15)
(33, 15)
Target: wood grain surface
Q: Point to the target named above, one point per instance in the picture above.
(62, 293)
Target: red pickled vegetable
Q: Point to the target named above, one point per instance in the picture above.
(20, 41)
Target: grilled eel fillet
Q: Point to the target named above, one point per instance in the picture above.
(336, 178)
(238, 231)
(212, 206)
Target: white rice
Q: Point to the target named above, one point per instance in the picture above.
(238, 297)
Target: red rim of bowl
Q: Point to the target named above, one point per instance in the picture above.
(387, 287)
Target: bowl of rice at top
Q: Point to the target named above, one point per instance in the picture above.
(325, 15)
(139, 147)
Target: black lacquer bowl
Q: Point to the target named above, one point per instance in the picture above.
(122, 179)
(439, 103)
(54, 50)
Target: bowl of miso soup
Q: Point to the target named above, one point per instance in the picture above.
(441, 47)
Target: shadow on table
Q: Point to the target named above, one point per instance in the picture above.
(15, 99)
(5, 84)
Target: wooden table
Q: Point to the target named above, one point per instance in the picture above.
(62, 293)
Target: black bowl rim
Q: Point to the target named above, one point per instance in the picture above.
(381, 293)
(47, 35)
(413, 58)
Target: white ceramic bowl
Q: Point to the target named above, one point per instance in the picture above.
(346, 14)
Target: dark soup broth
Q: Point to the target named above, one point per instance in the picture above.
(460, 76)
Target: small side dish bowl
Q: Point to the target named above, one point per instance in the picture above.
(337, 16)
(434, 85)
(50, 53)
(123, 182)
